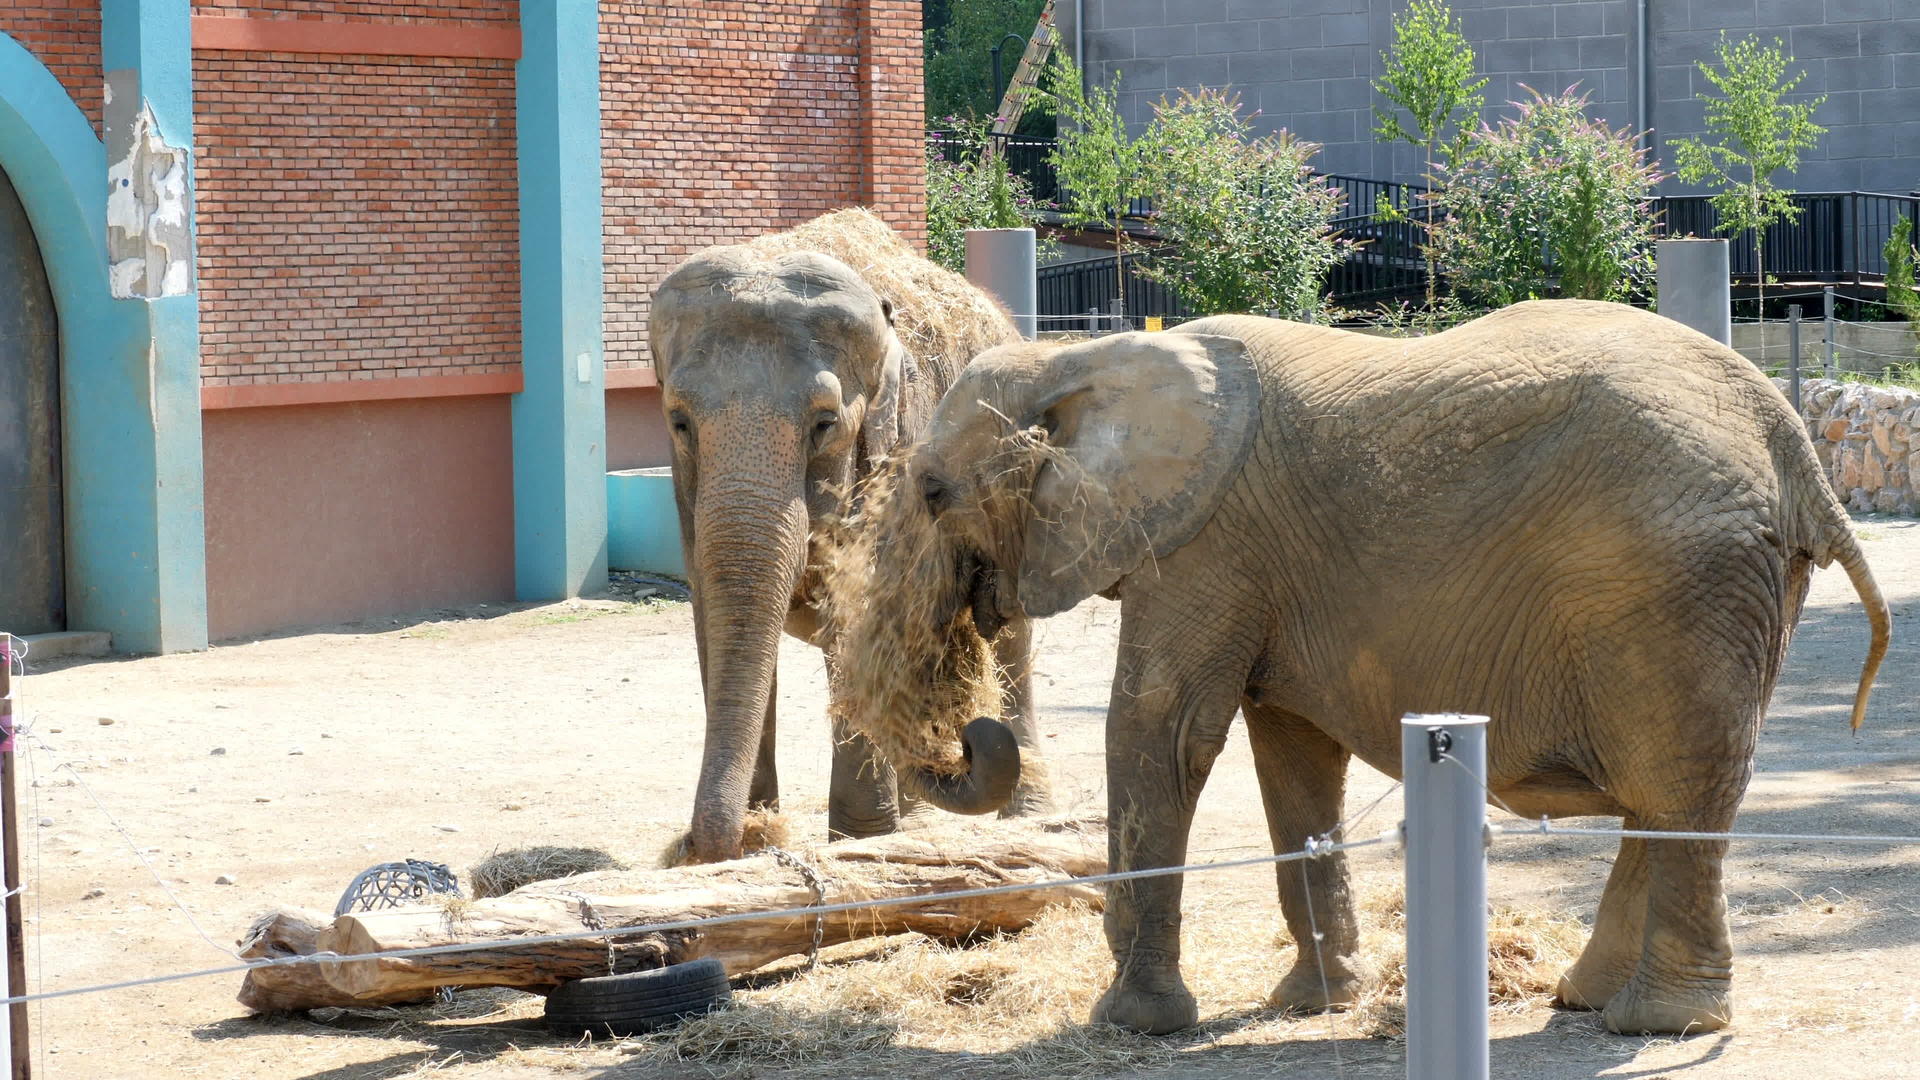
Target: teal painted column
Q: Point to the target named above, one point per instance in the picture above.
(559, 418)
(135, 520)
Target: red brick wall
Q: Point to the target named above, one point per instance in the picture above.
(65, 36)
(724, 120)
(357, 217)
(465, 11)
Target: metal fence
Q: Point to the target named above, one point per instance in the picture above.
(1836, 238)
(1078, 295)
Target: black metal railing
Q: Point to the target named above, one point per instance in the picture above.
(1078, 295)
(1836, 239)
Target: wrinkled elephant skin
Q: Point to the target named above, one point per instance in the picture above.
(782, 380)
(1585, 521)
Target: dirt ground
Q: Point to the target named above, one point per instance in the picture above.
(290, 764)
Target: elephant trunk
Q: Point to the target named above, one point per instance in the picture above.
(750, 545)
(993, 769)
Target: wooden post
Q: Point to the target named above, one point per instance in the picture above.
(14, 1032)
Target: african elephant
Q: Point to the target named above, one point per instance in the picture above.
(1586, 521)
(783, 379)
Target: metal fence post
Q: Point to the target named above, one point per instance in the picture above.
(1827, 298)
(1443, 760)
(1793, 356)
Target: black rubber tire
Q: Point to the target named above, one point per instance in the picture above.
(639, 1001)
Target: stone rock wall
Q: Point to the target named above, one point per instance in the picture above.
(1868, 439)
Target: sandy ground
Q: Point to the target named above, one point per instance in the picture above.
(290, 764)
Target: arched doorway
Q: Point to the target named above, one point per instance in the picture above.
(32, 558)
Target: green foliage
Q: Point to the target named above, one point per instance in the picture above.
(974, 191)
(1246, 218)
(1547, 203)
(1429, 75)
(1098, 162)
(959, 40)
(1755, 133)
(1901, 293)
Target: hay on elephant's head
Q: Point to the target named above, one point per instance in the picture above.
(912, 668)
(941, 318)
(504, 871)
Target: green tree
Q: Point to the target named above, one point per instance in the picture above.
(1429, 77)
(1247, 221)
(1755, 133)
(1098, 162)
(968, 189)
(1902, 294)
(959, 60)
(1547, 203)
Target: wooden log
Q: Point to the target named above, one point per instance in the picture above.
(953, 857)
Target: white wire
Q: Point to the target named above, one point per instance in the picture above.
(41, 745)
(1315, 850)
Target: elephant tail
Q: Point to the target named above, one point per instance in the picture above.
(1846, 551)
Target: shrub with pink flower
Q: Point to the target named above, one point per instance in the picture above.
(1548, 203)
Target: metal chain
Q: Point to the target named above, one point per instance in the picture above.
(591, 919)
(812, 878)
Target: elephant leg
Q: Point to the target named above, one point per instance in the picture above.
(764, 792)
(861, 795)
(1619, 930)
(1303, 782)
(1683, 980)
(1014, 650)
(1167, 720)
(1683, 984)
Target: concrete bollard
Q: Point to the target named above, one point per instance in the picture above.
(1002, 262)
(1696, 285)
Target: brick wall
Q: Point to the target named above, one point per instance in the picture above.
(66, 38)
(725, 120)
(464, 11)
(357, 217)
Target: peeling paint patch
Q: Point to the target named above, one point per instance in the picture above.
(149, 208)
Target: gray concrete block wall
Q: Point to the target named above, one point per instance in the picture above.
(1308, 65)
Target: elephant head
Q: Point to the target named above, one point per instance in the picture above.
(776, 373)
(1048, 474)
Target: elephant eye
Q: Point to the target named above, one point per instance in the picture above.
(826, 423)
(681, 426)
(937, 494)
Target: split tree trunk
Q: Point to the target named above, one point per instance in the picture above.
(953, 858)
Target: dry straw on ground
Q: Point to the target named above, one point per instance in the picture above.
(761, 829)
(504, 871)
(936, 312)
(1025, 999)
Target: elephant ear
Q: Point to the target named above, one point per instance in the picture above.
(880, 427)
(1148, 430)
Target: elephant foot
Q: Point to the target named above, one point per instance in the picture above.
(1640, 1009)
(1146, 1012)
(1303, 990)
(1590, 986)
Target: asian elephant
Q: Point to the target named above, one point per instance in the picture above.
(1586, 521)
(783, 379)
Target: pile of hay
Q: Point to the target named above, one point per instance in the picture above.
(1028, 996)
(942, 319)
(911, 668)
(504, 871)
